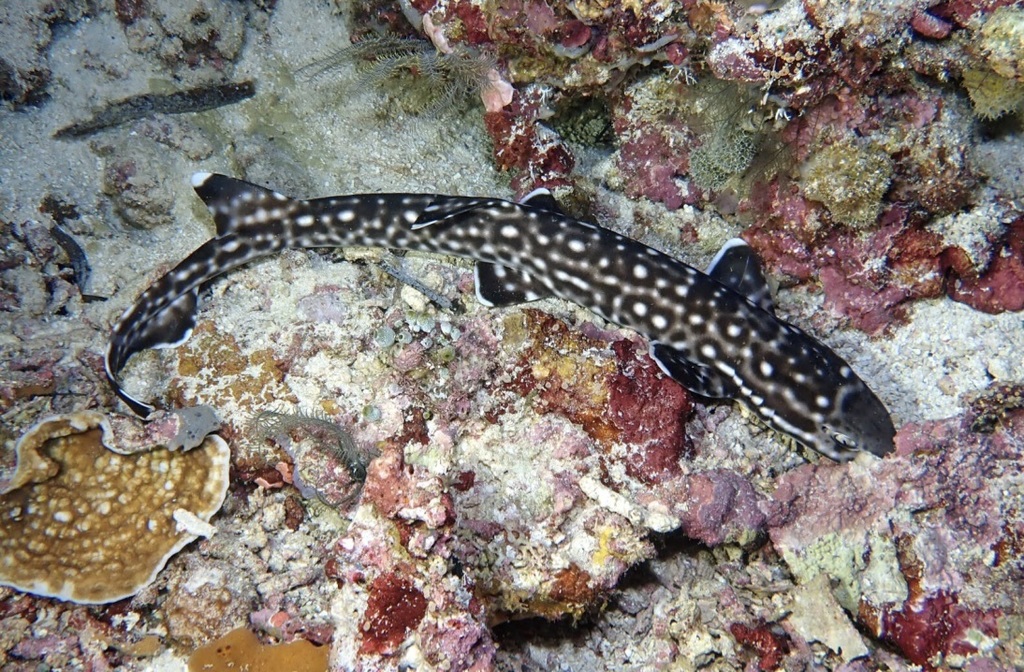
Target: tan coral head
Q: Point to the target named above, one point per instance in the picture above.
(83, 522)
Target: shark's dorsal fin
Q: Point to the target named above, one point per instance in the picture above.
(542, 199)
(738, 268)
(498, 286)
(230, 200)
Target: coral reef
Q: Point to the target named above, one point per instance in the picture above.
(83, 522)
(748, 102)
(537, 493)
(206, 598)
(913, 551)
(1002, 42)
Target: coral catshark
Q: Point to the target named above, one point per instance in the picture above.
(716, 333)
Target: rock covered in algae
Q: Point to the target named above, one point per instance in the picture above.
(850, 178)
(1002, 42)
(81, 521)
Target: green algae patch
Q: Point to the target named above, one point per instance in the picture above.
(864, 569)
(850, 179)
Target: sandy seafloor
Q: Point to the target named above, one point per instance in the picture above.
(320, 138)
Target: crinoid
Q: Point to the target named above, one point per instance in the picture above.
(415, 77)
(275, 425)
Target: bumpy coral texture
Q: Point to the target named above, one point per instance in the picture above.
(84, 523)
(850, 179)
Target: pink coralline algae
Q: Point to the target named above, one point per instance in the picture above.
(652, 166)
(937, 626)
(716, 506)
(630, 400)
(395, 607)
(770, 645)
(871, 295)
(396, 491)
(961, 12)
(414, 533)
(871, 279)
(1001, 286)
(535, 154)
(910, 544)
(649, 409)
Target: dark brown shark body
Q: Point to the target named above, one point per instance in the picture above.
(715, 333)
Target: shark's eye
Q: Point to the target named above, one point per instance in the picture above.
(844, 439)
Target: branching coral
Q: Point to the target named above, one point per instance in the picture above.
(416, 77)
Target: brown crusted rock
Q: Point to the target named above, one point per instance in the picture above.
(81, 522)
(206, 600)
(241, 650)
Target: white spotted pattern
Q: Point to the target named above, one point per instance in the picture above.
(703, 333)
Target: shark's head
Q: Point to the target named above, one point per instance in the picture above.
(797, 387)
(857, 422)
(791, 381)
(813, 395)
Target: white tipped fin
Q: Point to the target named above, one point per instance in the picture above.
(729, 244)
(738, 268)
(542, 199)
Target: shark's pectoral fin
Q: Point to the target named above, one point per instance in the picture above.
(738, 268)
(695, 377)
(502, 286)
